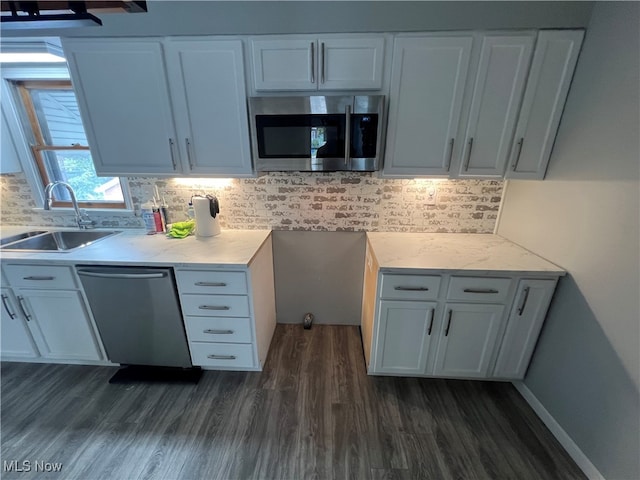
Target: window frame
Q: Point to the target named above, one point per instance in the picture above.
(45, 73)
(40, 145)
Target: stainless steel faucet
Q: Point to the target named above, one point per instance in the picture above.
(82, 219)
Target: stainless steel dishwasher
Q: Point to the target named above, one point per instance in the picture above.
(138, 314)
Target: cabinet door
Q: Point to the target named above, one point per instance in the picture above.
(427, 87)
(351, 63)
(554, 61)
(9, 162)
(285, 64)
(16, 339)
(59, 323)
(208, 93)
(467, 340)
(123, 97)
(497, 93)
(525, 321)
(404, 335)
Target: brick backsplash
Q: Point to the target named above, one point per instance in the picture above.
(296, 201)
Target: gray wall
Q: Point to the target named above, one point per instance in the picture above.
(321, 273)
(239, 17)
(585, 217)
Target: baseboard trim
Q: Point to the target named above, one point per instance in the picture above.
(563, 437)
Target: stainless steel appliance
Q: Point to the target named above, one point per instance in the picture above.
(317, 133)
(138, 314)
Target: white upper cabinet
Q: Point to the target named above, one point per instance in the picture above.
(427, 88)
(208, 92)
(497, 94)
(139, 123)
(123, 97)
(554, 61)
(311, 63)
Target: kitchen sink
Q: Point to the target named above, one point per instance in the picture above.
(21, 236)
(54, 241)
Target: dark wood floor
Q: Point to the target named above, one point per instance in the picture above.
(313, 413)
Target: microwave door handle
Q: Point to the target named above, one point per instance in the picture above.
(347, 135)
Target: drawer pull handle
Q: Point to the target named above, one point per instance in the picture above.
(446, 333)
(22, 307)
(480, 290)
(221, 357)
(38, 277)
(218, 332)
(411, 289)
(433, 311)
(214, 307)
(525, 293)
(6, 307)
(210, 284)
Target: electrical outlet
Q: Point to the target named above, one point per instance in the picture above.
(432, 195)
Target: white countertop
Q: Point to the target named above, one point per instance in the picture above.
(444, 252)
(133, 246)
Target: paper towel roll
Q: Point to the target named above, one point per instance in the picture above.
(206, 225)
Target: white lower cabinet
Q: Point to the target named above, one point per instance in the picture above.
(59, 324)
(468, 341)
(15, 339)
(404, 336)
(524, 325)
(452, 326)
(50, 321)
(229, 315)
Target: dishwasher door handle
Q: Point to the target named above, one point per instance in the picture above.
(139, 276)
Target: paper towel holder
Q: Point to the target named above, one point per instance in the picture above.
(207, 225)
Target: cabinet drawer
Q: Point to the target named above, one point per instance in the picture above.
(215, 305)
(222, 355)
(479, 289)
(216, 329)
(409, 287)
(40, 276)
(225, 283)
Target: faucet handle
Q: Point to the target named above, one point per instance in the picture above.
(84, 221)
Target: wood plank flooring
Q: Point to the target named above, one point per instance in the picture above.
(313, 413)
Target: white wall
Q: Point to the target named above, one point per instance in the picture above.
(585, 218)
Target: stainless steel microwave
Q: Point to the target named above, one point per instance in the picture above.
(317, 133)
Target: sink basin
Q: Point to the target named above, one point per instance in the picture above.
(21, 236)
(57, 241)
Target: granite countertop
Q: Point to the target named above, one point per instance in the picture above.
(232, 248)
(446, 252)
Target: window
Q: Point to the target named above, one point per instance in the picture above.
(60, 146)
